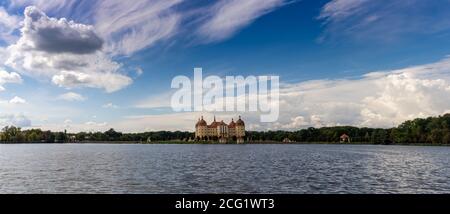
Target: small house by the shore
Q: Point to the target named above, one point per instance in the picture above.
(345, 138)
(287, 140)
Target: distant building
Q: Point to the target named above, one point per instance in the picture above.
(220, 131)
(287, 140)
(72, 138)
(345, 138)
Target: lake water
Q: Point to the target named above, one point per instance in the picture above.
(100, 168)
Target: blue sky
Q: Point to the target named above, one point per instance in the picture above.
(322, 50)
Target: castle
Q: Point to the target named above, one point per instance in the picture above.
(220, 131)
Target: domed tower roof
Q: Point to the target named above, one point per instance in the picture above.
(232, 123)
(201, 122)
(214, 124)
(240, 122)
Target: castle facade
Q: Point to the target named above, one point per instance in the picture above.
(220, 131)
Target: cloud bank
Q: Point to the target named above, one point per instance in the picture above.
(377, 99)
(18, 120)
(68, 53)
(380, 99)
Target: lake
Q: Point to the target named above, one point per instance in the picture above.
(106, 168)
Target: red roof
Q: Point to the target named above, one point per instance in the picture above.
(201, 122)
(214, 125)
(232, 124)
(345, 136)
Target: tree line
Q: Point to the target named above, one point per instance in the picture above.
(432, 130)
(11, 134)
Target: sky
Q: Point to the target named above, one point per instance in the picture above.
(94, 65)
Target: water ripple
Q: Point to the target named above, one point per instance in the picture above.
(223, 169)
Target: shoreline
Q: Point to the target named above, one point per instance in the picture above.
(216, 143)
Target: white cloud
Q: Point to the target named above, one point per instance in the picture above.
(17, 101)
(6, 77)
(109, 81)
(59, 5)
(8, 24)
(339, 9)
(3, 55)
(132, 27)
(67, 123)
(110, 105)
(296, 122)
(71, 96)
(227, 17)
(41, 33)
(139, 71)
(383, 20)
(94, 124)
(8, 21)
(18, 120)
(12, 77)
(66, 52)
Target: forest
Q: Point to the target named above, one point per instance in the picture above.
(431, 130)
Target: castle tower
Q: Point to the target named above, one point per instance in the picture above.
(240, 130)
(201, 129)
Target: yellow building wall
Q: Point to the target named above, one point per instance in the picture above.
(204, 131)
